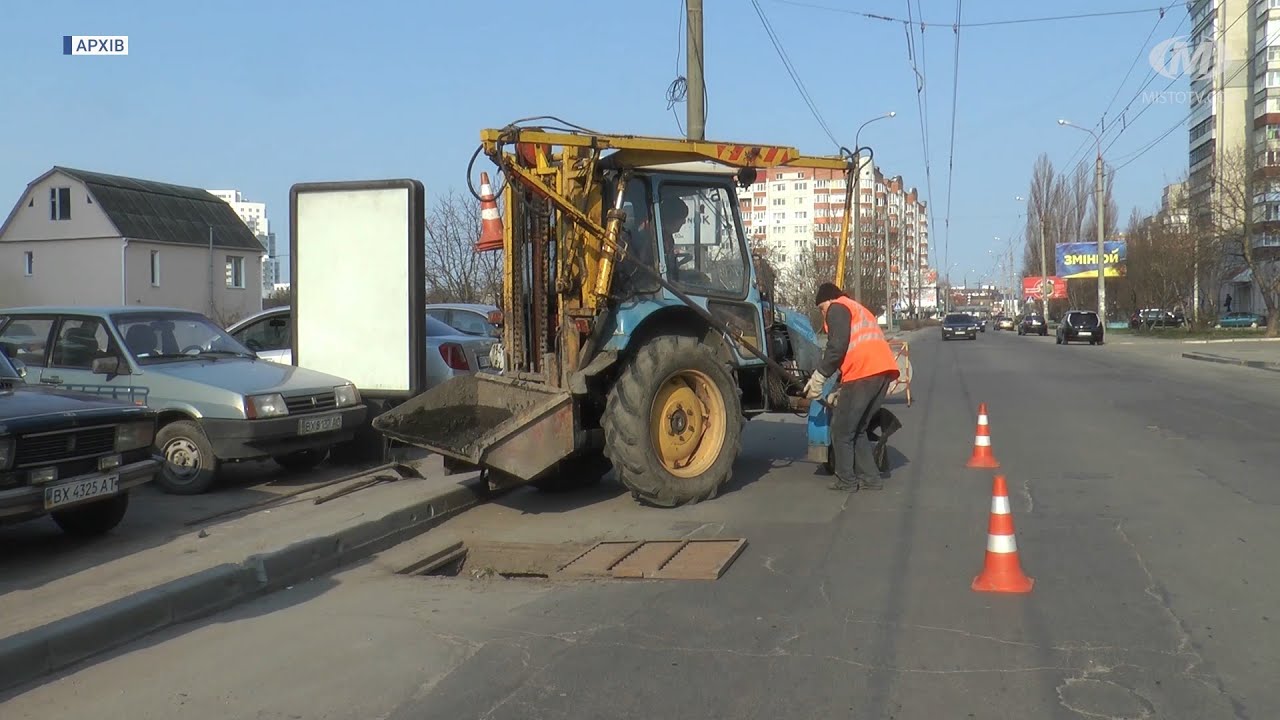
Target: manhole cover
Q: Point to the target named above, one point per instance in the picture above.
(658, 559)
(704, 559)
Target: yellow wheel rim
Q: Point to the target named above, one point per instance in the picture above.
(687, 423)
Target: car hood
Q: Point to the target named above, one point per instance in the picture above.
(245, 376)
(20, 405)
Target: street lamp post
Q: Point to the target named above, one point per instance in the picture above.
(855, 202)
(1101, 218)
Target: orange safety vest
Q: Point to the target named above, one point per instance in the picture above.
(869, 353)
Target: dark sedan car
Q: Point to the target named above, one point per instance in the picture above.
(1080, 325)
(1033, 324)
(959, 325)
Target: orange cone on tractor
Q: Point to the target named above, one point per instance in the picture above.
(490, 221)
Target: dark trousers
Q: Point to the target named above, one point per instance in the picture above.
(856, 404)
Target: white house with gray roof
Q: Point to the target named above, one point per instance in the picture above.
(84, 238)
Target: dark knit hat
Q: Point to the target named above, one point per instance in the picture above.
(827, 291)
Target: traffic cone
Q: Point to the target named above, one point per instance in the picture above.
(1002, 571)
(982, 456)
(490, 221)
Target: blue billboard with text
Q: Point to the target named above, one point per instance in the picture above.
(1080, 260)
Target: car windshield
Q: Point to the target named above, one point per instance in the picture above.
(153, 337)
(957, 318)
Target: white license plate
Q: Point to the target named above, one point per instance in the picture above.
(482, 361)
(1085, 333)
(324, 423)
(80, 490)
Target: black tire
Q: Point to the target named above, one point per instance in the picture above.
(190, 467)
(93, 519)
(302, 460)
(629, 439)
(575, 473)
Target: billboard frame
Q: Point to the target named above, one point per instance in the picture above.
(414, 257)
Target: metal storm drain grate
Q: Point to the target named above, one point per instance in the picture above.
(704, 559)
(658, 559)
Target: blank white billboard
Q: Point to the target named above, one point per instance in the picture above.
(356, 270)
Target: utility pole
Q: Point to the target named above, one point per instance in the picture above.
(695, 96)
(888, 290)
(1102, 234)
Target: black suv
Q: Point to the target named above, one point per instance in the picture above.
(70, 455)
(1033, 323)
(1080, 325)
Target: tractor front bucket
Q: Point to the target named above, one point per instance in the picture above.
(490, 421)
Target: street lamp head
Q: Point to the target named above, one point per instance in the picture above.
(1064, 122)
(892, 113)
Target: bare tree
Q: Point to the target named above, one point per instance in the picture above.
(1162, 259)
(1233, 219)
(455, 271)
(277, 298)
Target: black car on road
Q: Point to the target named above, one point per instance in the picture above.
(70, 455)
(1080, 326)
(1033, 323)
(959, 325)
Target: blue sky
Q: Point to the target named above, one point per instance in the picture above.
(261, 95)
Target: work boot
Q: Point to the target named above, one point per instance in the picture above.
(843, 486)
(872, 483)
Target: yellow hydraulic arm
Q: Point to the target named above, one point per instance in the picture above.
(638, 151)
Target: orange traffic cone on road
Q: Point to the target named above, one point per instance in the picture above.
(1002, 571)
(982, 456)
(490, 221)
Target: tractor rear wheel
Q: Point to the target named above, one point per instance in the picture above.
(673, 423)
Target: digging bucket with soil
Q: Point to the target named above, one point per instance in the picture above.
(487, 420)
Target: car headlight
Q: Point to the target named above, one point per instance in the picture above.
(265, 406)
(6, 453)
(134, 435)
(346, 395)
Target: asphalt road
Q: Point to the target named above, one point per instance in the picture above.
(1144, 492)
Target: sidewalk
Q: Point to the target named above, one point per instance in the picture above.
(1262, 356)
(50, 626)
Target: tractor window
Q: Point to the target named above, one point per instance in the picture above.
(702, 248)
(640, 236)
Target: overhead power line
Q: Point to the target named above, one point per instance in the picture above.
(951, 156)
(791, 70)
(988, 23)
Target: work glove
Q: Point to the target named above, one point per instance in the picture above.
(813, 388)
(831, 399)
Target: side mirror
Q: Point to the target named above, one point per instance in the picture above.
(20, 366)
(106, 366)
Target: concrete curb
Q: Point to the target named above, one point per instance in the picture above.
(1221, 359)
(32, 654)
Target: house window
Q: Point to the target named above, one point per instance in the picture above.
(801, 186)
(235, 271)
(28, 263)
(59, 203)
(155, 268)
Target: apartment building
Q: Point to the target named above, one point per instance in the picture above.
(796, 214)
(1224, 122)
(254, 215)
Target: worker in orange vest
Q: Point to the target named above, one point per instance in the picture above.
(856, 348)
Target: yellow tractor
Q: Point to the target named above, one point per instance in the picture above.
(635, 335)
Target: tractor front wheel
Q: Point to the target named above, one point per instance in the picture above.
(673, 423)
